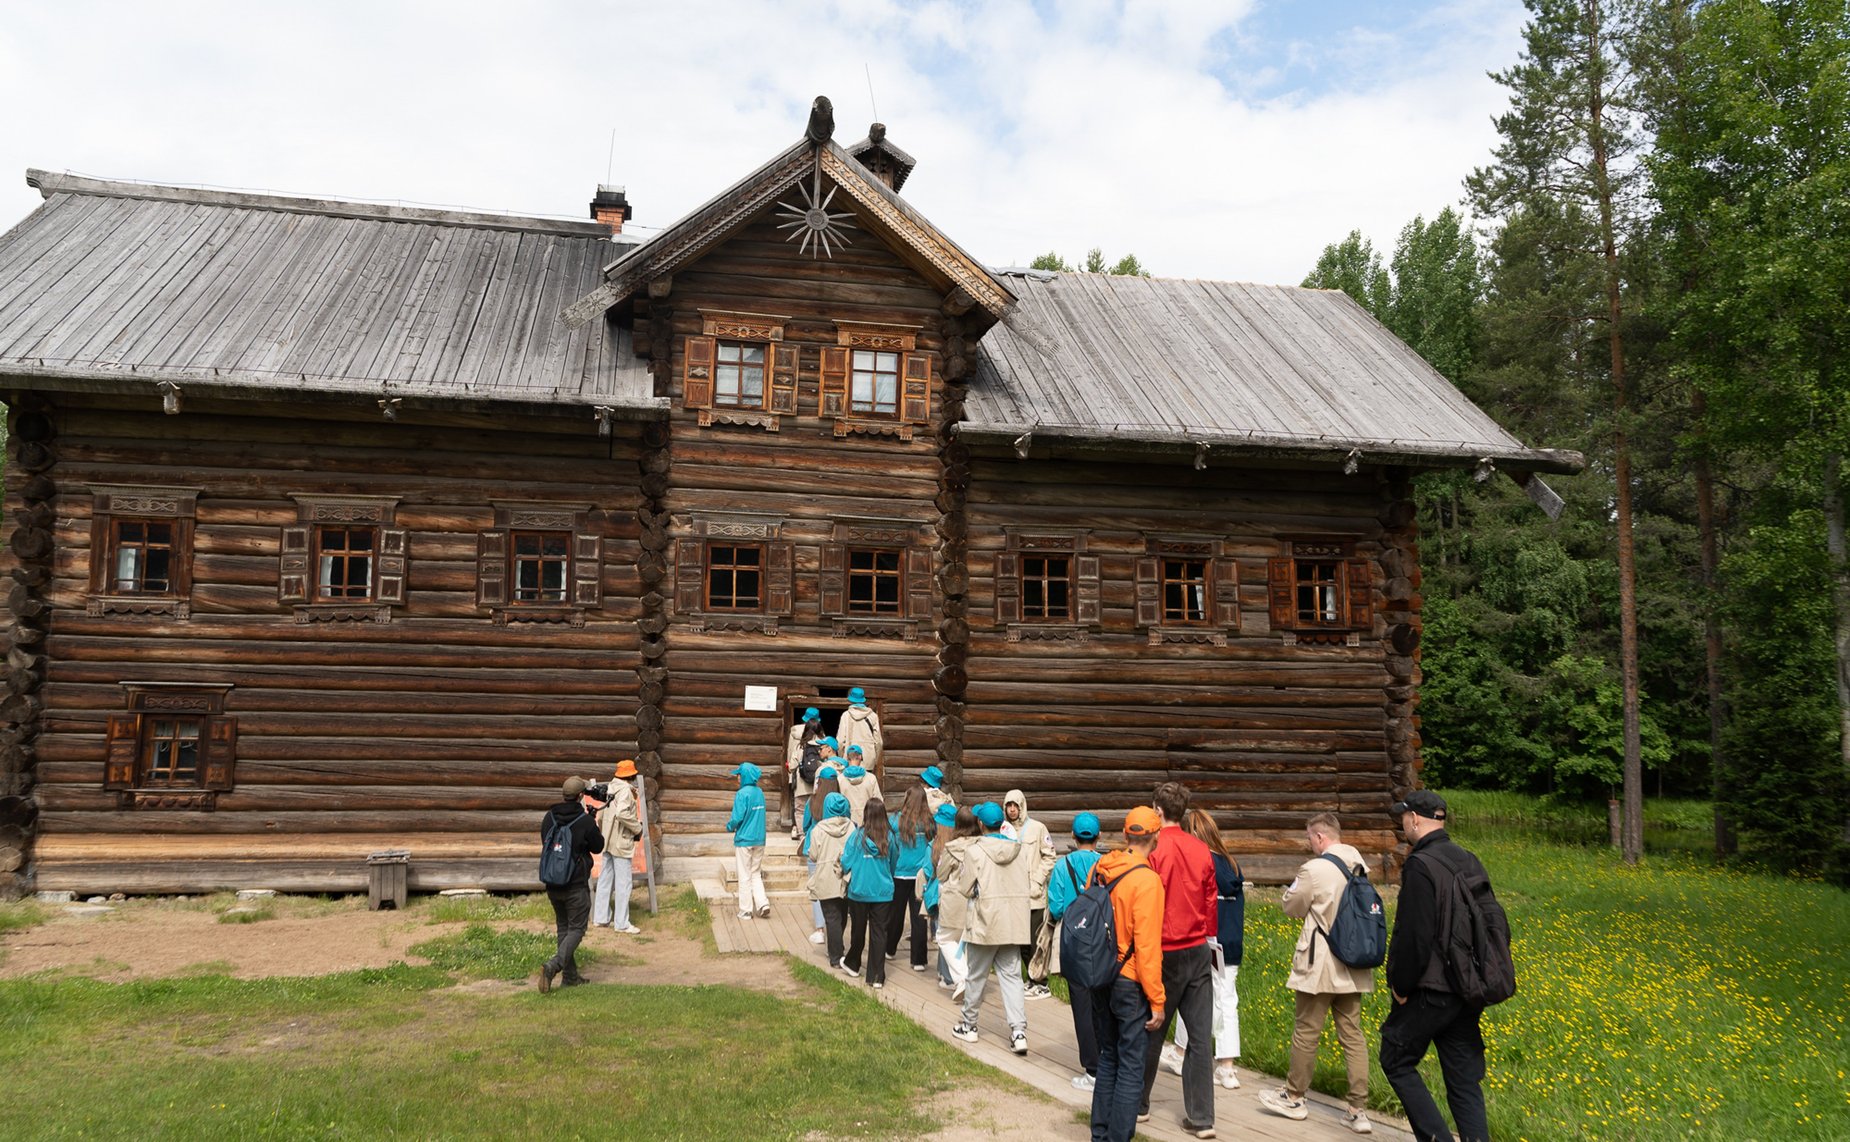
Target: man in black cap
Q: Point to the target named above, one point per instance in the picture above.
(571, 902)
(1427, 1011)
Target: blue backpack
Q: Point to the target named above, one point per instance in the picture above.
(1089, 936)
(556, 853)
(1358, 935)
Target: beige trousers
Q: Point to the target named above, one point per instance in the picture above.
(1312, 1011)
(750, 862)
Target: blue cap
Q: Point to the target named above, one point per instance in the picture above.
(855, 771)
(812, 715)
(990, 814)
(856, 750)
(834, 805)
(825, 771)
(832, 744)
(1085, 826)
(933, 776)
(946, 815)
(857, 697)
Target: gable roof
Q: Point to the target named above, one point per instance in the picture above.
(722, 215)
(1195, 366)
(120, 285)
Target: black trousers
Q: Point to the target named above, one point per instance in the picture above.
(834, 922)
(905, 915)
(867, 933)
(1188, 984)
(1437, 1019)
(571, 913)
(1082, 1001)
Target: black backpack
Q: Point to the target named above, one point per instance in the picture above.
(1474, 930)
(1358, 935)
(809, 762)
(557, 853)
(1089, 935)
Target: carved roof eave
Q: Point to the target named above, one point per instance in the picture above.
(726, 213)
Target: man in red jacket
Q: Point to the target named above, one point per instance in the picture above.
(1190, 916)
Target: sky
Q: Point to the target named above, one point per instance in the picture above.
(1218, 139)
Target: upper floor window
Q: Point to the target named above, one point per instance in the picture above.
(1322, 590)
(735, 577)
(1185, 590)
(876, 582)
(1047, 584)
(1319, 592)
(1046, 587)
(1188, 589)
(738, 375)
(541, 565)
(874, 379)
(141, 544)
(874, 385)
(739, 366)
(736, 571)
(541, 562)
(344, 558)
(344, 563)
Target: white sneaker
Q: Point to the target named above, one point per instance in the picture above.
(1224, 1075)
(1282, 1104)
(964, 1032)
(918, 967)
(879, 986)
(849, 972)
(1358, 1122)
(745, 915)
(1084, 1082)
(817, 937)
(1018, 1042)
(632, 930)
(764, 912)
(1037, 991)
(1171, 1060)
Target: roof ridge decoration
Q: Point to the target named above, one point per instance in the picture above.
(719, 216)
(48, 183)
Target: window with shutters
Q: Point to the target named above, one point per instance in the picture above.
(1320, 593)
(541, 563)
(735, 571)
(344, 559)
(175, 748)
(1188, 590)
(875, 380)
(738, 370)
(876, 581)
(141, 539)
(1047, 586)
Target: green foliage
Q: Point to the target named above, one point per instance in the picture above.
(1352, 266)
(481, 951)
(458, 909)
(1051, 261)
(1093, 263)
(20, 915)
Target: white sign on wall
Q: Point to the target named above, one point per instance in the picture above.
(761, 698)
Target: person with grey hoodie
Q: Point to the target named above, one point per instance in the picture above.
(827, 887)
(1037, 848)
(993, 878)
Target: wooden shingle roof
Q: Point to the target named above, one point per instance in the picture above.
(1220, 367)
(121, 285)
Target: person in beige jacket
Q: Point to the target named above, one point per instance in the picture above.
(1326, 987)
(994, 879)
(860, 726)
(858, 785)
(1037, 848)
(621, 824)
(826, 885)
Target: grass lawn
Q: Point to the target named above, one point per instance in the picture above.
(404, 1052)
(1675, 1000)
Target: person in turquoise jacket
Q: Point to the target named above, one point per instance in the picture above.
(867, 861)
(747, 828)
(913, 831)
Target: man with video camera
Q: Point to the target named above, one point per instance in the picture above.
(568, 837)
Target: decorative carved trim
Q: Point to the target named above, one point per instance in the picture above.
(737, 525)
(570, 616)
(341, 613)
(1045, 539)
(1322, 548)
(708, 417)
(852, 626)
(203, 697)
(1192, 546)
(753, 624)
(145, 500)
(1048, 632)
(1197, 636)
(866, 428)
(316, 508)
(743, 326)
(890, 337)
(197, 799)
(1323, 638)
(139, 606)
(550, 515)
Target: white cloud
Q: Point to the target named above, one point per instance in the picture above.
(1145, 126)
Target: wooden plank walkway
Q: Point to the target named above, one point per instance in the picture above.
(1053, 1052)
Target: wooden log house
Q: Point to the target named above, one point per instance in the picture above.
(335, 528)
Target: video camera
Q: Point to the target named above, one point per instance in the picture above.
(599, 792)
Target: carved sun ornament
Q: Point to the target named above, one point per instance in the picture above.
(818, 228)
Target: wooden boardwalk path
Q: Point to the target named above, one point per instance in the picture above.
(1053, 1052)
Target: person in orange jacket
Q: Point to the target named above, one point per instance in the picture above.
(1124, 1015)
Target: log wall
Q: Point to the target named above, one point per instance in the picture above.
(441, 731)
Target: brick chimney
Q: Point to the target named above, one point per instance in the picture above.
(611, 207)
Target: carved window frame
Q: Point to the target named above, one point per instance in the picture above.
(128, 739)
(112, 504)
(734, 528)
(1354, 591)
(1084, 591)
(1221, 618)
(700, 368)
(911, 541)
(495, 567)
(836, 380)
(298, 579)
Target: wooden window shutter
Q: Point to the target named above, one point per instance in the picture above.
(784, 362)
(831, 580)
(491, 569)
(1227, 593)
(1149, 592)
(292, 579)
(697, 372)
(1087, 588)
(1281, 593)
(690, 576)
(587, 570)
(221, 753)
(779, 578)
(834, 381)
(1361, 594)
(918, 583)
(1008, 587)
(183, 557)
(122, 745)
(915, 394)
(393, 546)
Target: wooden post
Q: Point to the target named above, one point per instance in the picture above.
(648, 853)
